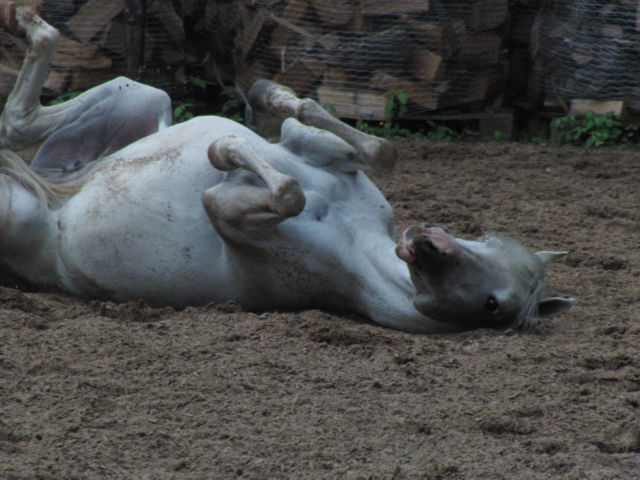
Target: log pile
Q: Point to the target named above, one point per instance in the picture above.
(93, 46)
(586, 51)
(352, 53)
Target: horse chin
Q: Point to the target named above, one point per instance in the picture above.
(468, 320)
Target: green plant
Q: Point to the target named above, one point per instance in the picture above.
(439, 132)
(184, 111)
(230, 107)
(592, 130)
(330, 107)
(65, 97)
(395, 108)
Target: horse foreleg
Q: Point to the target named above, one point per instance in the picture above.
(243, 205)
(374, 153)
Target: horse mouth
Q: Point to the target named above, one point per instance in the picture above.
(426, 239)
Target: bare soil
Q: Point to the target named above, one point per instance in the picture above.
(100, 390)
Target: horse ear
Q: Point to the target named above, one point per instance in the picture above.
(547, 257)
(550, 307)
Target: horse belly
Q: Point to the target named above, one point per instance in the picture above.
(144, 236)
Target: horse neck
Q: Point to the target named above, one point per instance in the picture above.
(387, 296)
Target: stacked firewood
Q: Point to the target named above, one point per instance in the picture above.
(586, 51)
(352, 53)
(93, 46)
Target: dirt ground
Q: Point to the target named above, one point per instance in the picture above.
(99, 390)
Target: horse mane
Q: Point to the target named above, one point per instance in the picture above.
(528, 319)
(50, 191)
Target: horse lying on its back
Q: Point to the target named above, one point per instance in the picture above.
(208, 211)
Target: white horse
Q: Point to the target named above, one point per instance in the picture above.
(120, 205)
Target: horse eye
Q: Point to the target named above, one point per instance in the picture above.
(492, 304)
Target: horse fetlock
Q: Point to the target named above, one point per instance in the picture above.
(267, 96)
(221, 151)
(39, 34)
(15, 16)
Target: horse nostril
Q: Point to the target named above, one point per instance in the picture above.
(435, 225)
(427, 247)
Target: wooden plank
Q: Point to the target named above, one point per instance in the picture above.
(580, 106)
(94, 16)
(393, 7)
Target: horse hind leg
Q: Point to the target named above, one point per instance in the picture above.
(23, 104)
(97, 123)
(373, 153)
(246, 205)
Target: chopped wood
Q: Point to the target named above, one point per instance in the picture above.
(485, 84)
(427, 33)
(75, 50)
(115, 39)
(428, 65)
(396, 7)
(94, 16)
(335, 78)
(334, 12)
(252, 27)
(482, 49)
(580, 106)
(82, 80)
(57, 81)
(488, 14)
(65, 61)
(301, 76)
(582, 56)
(420, 93)
(164, 12)
(291, 26)
(349, 52)
(359, 104)
(251, 73)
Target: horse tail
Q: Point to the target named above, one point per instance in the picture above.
(50, 192)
